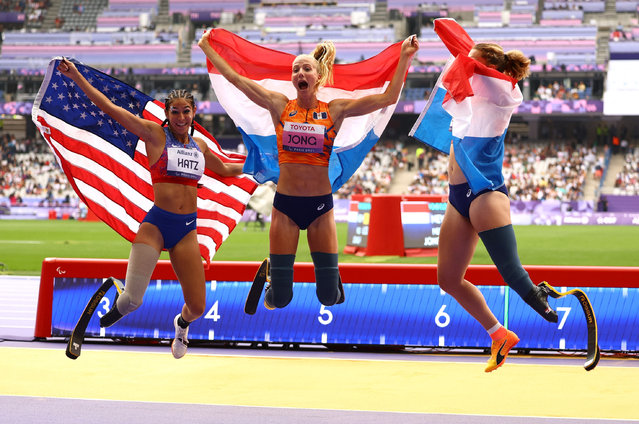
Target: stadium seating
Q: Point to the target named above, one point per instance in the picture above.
(188, 6)
(39, 55)
(81, 15)
(626, 6)
(139, 5)
(534, 171)
(585, 5)
(630, 46)
(522, 13)
(566, 45)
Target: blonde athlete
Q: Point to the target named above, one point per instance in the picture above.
(306, 128)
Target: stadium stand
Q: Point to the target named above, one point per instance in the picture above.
(627, 180)
(125, 15)
(124, 55)
(565, 45)
(216, 7)
(81, 15)
(533, 171)
(29, 173)
(376, 172)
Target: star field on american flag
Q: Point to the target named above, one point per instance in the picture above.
(66, 101)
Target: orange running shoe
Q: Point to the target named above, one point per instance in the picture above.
(500, 349)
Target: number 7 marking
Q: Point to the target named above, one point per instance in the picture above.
(565, 309)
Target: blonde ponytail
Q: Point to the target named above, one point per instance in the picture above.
(324, 53)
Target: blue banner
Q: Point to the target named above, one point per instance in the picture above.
(373, 314)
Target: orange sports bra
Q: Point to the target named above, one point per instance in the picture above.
(305, 135)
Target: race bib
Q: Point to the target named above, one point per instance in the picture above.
(303, 138)
(185, 163)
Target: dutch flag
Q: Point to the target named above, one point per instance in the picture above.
(470, 106)
(272, 69)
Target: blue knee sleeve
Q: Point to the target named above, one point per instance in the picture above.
(502, 248)
(326, 277)
(281, 291)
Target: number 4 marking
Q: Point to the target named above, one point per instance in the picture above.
(565, 309)
(213, 313)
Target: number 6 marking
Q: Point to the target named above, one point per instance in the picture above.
(441, 315)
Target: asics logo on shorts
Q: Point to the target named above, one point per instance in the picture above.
(469, 193)
(320, 207)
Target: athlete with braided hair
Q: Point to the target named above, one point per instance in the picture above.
(303, 200)
(177, 162)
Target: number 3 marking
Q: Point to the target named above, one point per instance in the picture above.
(106, 305)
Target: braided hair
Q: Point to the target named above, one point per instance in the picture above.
(179, 94)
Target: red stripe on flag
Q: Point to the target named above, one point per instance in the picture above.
(259, 63)
(244, 183)
(216, 216)
(211, 233)
(106, 217)
(415, 207)
(223, 199)
(96, 208)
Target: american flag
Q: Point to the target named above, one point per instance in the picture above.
(107, 166)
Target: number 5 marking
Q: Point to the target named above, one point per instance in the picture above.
(329, 316)
(565, 309)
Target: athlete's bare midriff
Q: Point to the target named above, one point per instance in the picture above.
(455, 174)
(175, 198)
(299, 179)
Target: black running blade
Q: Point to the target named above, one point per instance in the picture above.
(253, 298)
(74, 347)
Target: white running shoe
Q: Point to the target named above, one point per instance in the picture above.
(180, 342)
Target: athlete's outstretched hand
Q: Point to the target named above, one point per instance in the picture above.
(68, 69)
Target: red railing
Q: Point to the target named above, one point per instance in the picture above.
(487, 275)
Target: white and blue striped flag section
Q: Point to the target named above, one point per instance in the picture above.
(470, 105)
(272, 69)
(108, 167)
